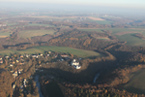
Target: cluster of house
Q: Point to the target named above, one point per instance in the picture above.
(3, 25)
(17, 72)
(20, 60)
(15, 60)
(1, 60)
(22, 87)
(75, 63)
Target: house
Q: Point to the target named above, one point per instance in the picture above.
(49, 52)
(35, 56)
(11, 65)
(7, 57)
(20, 71)
(41, 55)
(17, 61)
(75, 64)
(3, 25)
(1, 58)
(21, 56)
(25, 82)
(13, 85)
(77, 67)
(13, 62)
(27, 55)
(55, 56)
(64, 56)
(11, 71)
(21, 63)
(15, 74)
(1, 61)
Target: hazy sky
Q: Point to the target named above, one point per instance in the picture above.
(118, 3)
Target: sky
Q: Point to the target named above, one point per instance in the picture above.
(112, 3)
(129, 8)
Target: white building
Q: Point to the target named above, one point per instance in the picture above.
(25, 82)
(15, 74)
(75, 64)
(11, 65)
(77, 67)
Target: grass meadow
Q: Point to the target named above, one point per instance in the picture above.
(123, 34)
(33, 33)
(136, 83)
(41, 49)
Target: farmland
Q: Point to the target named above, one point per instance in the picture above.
(32, 33)
(99, 20)
(132, 40)
(136, 84)
(41, 49)
(108, 43)
(46, 25)
(5, 34)
(123, 34)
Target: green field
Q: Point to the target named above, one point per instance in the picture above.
(32, 33)
(136, 83)
(41, 49)
(114, 30)
(119, 30)
(123, 34)
(132, 40)
(104, 22)
(90, 30)
(46, 25)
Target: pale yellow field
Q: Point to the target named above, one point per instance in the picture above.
(3, 36)
(96, 19)
(33, 33)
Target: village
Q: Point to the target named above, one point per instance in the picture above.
(18, 65)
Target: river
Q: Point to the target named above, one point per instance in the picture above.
(38, 85)
(96, 77)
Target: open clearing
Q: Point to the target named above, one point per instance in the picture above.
(136, 83)
(90, 29)
(41, 49)
(95, 18)
(98, 20)
(115, 31)
(131, 40)
(4, 35)
(46, 25)
(127, 32)
(33, 33)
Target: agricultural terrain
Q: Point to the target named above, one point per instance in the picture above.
(109, 51)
